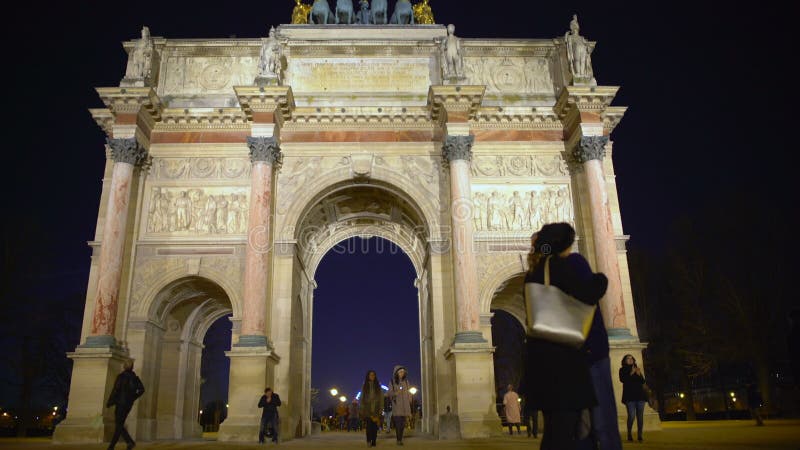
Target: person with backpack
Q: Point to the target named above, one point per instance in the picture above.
(127, 388)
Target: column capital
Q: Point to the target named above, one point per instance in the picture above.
(454, 103)
(127, 150)
(583, 107)
(457, 147)
(589, 148)
(265, 149)
(266, 104)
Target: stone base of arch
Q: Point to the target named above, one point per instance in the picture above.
(93, 373)
(252, 368)
(474, 388)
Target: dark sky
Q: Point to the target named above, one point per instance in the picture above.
(709, 91)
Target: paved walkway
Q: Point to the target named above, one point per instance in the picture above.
(722, 435)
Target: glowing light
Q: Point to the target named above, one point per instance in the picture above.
(733, 399)
(227, 405)
(334, 392)
(5, 414)
(705, 409)
(201, 411)
(55, 408)
(413, 390)
(54, 413)
(384, 387)
(519, 400)
(733, 394)
(343, 399)
(358, 396)
(681, 395)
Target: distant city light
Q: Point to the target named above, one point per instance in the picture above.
(383, 386)
(733, 394)
(358, 396)
(734, 399)
(413, 390)
(201, 411)
(5, 414)
(681, 395)
(55, 408)
(334, 392)
(227, 405)
(343, 399)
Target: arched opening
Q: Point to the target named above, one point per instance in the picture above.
(363, 323)
(179, 318)
(385, 217)
(508, 336)
(214, 374)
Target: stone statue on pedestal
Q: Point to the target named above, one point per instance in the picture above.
(140, 61)
(452, 57)
(269, 64)
(579, 55)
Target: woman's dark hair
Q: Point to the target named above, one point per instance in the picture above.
(367, 382)
(397, 377)
(552, 239)
(626, 357)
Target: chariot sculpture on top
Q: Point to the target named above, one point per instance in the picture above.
(405, 13)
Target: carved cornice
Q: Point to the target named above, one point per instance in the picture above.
(443, 100)
(503, 48)
(127, 150)
(276, 100)
(517, 117)
(363, 116)
(457, 147)
(373, 48)
(176, 119)
(104, 119)
(612, 116)
(584, 98)
(589, 148)
(265, 149)
(129, 100)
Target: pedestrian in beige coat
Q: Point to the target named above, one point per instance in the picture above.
(401, 401)
(512, 407)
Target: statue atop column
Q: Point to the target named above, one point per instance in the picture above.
(452, 58)
(300, 12)
(579, 55)
(140, 62)
(269, 63)
(423, 13)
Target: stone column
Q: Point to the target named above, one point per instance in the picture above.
(590, 153)
(126, 153)
(264, 154)
(457, 151)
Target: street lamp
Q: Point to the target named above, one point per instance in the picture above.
(343, 399)
(413, 390)
(334, 392)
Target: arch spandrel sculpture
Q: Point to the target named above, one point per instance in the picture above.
(356, 116)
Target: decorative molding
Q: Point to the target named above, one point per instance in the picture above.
(265, 149)
(104, 119)
(545, 166)
(585, 99)
(178, 119)
(130, 100)
(368, 116)
(457, 147)
(517, 117)
(200, 168)
(127, 150)
(445, 99)
(277, 100)
(612, 116)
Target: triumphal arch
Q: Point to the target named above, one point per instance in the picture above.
(234, 165)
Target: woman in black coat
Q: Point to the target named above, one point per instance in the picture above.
(633, 395)
(557, 376)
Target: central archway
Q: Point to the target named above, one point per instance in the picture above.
(341, 212)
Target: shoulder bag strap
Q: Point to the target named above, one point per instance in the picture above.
(547, 271)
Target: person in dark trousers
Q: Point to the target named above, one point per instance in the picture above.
(401, 401)
(371, 406)
(269, 403)
(557, 377)
(127, 388)
(633, 395)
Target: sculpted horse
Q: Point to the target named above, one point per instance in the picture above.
(403, 13)
(321, 13)
(344, 12)
(380, 11)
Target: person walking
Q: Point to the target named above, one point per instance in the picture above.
(511, 403)
(633, 395)
(371, 406)
(401, 401)
(387, 412)
(557, 376)
(269, 403)
(352, 416)
(127, 388)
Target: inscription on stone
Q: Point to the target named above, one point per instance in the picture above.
(359, 74)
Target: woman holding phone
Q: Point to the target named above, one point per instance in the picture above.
(633, 395)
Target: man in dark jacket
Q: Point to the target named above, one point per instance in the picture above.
(127, 388)
(269, 415)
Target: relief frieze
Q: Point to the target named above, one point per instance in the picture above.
(197, 211)
(520, 166)
(200, 168)
(510, 75)
(520, 208)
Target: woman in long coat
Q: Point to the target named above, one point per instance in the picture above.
(371, 406)
(511, 403)
(557, 377)
(401, 401)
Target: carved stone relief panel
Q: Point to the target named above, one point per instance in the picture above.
(499, 208)
(188, 211)
(520, 166)
(186, 75)
(200, 168)
(359, 74)
(510, 75)
(419, 170)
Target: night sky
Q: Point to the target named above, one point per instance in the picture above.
(709, 91)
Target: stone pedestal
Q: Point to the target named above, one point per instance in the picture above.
(94, 371)
(251, 370)
(474, 369)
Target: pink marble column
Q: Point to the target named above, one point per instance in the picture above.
(591, 152)
(127, 153)
(264, 153)
(457, 151)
